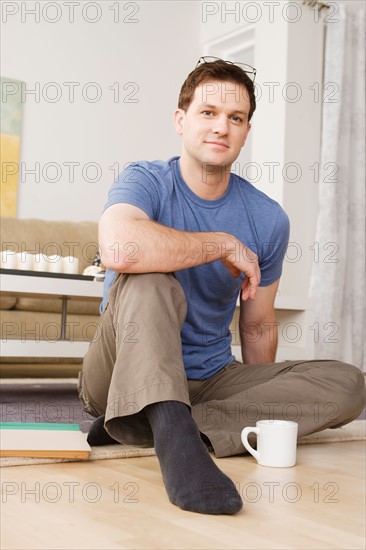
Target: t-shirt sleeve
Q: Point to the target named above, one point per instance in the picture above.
(273, 252)
(137, 186)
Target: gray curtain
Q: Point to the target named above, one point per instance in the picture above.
(338, 274)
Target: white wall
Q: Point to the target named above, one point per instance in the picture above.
(155, 53)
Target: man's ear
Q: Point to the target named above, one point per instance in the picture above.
(179, 116)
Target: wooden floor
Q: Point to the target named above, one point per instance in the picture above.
(122, 503)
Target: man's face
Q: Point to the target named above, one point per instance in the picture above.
(215, 126)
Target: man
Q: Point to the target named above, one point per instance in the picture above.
(181, 240)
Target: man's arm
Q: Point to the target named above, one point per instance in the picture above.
(258, 327)
(132, 243)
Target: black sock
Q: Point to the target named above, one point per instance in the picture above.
(192, 480)
(98, 435)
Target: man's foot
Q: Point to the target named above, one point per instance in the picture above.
(98, 435)
(192, 480)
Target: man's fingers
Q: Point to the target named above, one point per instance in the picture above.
(246, 289)
(249, 267)
(250, 284)
(253, 289)
(244, 286)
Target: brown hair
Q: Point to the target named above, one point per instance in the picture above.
(216, 70)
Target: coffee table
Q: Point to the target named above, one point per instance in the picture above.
(293, 312)
(37, 284)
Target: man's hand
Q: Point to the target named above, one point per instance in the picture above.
(239, 260)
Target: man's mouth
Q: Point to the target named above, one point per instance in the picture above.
(219, 143)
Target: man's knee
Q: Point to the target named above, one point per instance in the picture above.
(351, 394)
(147, 282)
(149, 290)
(356, 381)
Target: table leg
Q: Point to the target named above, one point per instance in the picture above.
(63, 317)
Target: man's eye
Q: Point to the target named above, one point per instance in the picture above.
(236, 119)
(207, 113)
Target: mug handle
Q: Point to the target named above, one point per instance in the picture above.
(244, 438)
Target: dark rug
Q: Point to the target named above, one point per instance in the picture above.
(46, 402)
(43, 402)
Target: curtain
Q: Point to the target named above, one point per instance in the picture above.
(338, 273)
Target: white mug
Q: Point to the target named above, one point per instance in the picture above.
(276, 443)
(70, 265)
(9, 259)
(40, 262)
(54, 263)
(25, 261)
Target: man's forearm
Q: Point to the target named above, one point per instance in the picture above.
(259, 343)
(144, 246)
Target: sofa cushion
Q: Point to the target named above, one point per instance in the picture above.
(30, 325)
(54, 305)
(38, 368)
(7, 302)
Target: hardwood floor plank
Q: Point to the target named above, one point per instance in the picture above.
(122, 504)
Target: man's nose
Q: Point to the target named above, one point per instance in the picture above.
(220, 125)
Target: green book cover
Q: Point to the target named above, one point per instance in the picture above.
(38, 426)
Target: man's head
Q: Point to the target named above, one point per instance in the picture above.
(219, 71)
(215, 105)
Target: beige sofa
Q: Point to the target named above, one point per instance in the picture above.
(24, 317)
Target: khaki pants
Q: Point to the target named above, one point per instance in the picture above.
(135, 359)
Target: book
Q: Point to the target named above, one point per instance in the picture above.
(46, 440)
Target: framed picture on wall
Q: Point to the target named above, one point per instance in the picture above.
(11, 115)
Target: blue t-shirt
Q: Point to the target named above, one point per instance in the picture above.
(259, 222)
